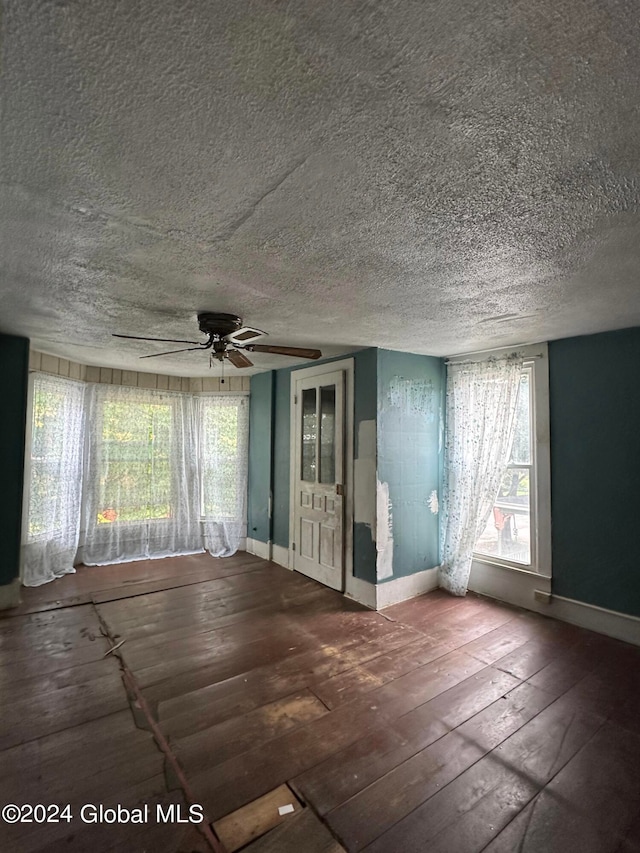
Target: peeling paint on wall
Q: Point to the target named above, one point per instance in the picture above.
(433, 503)
(364, 475)
(384, 537)
(413, 397)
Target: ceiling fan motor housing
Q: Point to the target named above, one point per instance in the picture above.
(219, 325)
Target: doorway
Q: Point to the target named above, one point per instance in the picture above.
(321, 472)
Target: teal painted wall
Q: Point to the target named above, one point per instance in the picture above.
(14, 367)
(365, 408)
(410, 413)
(260, 456)
(416, 546)
(281, 455)
(595, 468)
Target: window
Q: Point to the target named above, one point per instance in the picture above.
(54, 478)
(47, 451)
(224, 424)
(124, 473)
(517, 532)
(135, 461)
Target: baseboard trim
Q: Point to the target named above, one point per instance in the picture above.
(361, 591)
(280, 555)
(533, 592)
(10, 594)
(621, 626)
(400, 589)
(258, 548)
(513, 586)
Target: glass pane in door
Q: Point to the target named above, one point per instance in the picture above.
(328, 434)
(309, 435)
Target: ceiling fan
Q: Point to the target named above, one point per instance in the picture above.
(226, 338)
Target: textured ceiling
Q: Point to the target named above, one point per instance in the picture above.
(435, 177)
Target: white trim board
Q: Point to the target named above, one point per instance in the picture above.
(519, 587)
(280, 555)
(400, 589)
(361, 591)
(258, 548)
(515, 586)
(622, 626)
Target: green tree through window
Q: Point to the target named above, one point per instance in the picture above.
(134, 461)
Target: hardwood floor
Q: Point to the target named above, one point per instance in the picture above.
(442, 724)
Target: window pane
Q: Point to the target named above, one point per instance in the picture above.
(135, 481)
(309, 435)
(328, 434)
(223, 457)
(521, 448)
(507, 534)
(47, 447)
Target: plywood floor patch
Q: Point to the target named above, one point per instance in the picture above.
(255, 819)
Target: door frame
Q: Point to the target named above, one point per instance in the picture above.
(347, 365)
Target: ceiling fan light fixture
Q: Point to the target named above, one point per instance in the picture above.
(224, 331)
(245, 335)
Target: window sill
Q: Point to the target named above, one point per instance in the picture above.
(483, 560)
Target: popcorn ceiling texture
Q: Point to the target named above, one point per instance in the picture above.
(430, 177)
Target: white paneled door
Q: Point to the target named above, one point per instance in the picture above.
(318, 478)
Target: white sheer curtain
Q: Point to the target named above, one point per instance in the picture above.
(480, 414)
(141, 497)
(55, 479)
(224, 443)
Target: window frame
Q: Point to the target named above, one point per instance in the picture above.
(537, 361)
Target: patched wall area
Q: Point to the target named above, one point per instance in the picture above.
(410, 405)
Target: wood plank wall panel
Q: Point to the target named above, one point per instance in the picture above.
(138, 379)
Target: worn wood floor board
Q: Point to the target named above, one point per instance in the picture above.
(211, 746)
(262, 684)
(580, 809)
(444, 724)
(230, 785)
(147, 652)
(78, 836)
(530, 757)
(194, 617)
(393, 796)
(258, 683)
(79, 588)
(41, 714)
(303, 832)
(266, 647)
(343, 775)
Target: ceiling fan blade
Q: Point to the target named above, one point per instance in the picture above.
(238, 359)
(164, 340)
(170, 352)
(296, 352)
